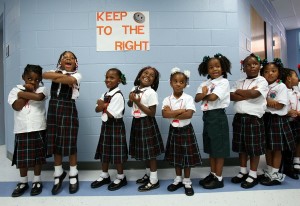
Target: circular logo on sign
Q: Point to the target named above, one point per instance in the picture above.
(139, 17)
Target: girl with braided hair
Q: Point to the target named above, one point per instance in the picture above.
(62, 119)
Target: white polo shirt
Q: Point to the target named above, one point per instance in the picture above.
(32, 117)
(116, 105)
(219, 87)
(148, 98)
(255, 106)
(278, 92)
(184, 102)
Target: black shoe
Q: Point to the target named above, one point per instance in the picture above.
(37, 188)
(247, 185)
(20, 190)
(173, 187)
(73, 188)
(97, 183)
(297, 171)
(148, 186)
(113, 186)
(143, 180)
(56, 188)
(291, 173)
(237, 180)
(213, 184)
(189, 191)
(206, 179)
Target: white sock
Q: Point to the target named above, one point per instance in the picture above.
(187, 182)
(73, 170)
(36, 178)
(119, 178)
(58, 170)
(24, 179)
(252, 174)
(297, 161)
(274, 170)
(102, 176)
(269, 169)
(177, 180)
(148, 171)
(219, 177)
(153, 177)
(243, 170)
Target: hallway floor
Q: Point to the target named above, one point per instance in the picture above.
(286, 194)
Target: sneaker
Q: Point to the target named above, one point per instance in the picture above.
(213, 184)
(206, 179)
(148, 186)
(274, 179)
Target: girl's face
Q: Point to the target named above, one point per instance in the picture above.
(32, 78)
(214, 69)
(68, 62)
(271, 73)
(147, 78)
(112, 79)
(178, 82)
(294, 79)
(251, 67)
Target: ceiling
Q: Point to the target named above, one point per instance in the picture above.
(288, 12)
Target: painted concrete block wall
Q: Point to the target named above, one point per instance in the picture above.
(293, 45)
(181, 33)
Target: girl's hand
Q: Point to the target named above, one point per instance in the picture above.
(254, 88)
(29, 87)
(167, 108)
(205, 90)
(293, 113)
(134, 97)
(100, 103)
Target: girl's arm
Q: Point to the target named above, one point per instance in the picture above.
(60, 78)
(31, 96)
(292, 113)
(236, 97)
(100, 106)
(200, 96)
(149, 111)
(188, 114)
(168, 113)
(19, 104)
(274, 104)
(248, 94)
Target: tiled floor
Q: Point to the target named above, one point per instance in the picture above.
(286, 194)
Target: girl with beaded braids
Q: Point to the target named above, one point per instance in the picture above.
(112, 146)
(249, 103)
(182, 148)
(28, 102)
(279, 136)
(62, 119)
(214, 95)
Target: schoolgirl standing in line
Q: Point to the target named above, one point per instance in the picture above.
(182, 148)
(279, 136)
(112, 146)
(214, 95)
(249, 97)
(145, 139)
(290, 159)
(28, 102)
(62, 119)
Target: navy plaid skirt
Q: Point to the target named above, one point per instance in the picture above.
(62, 127)
(279, 135)
(248, 135)
(182, 147)
(30, 149)
(145, 139)
(295, 126)
(112, 146)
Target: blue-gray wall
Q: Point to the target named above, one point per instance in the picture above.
(293, 46)
(181, 33)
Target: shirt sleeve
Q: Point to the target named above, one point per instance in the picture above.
(78, 77)
(165, 102)
(13, 95)
(282, 95)
(116, 105)
(152, 98)
(262, 87)
(190, 104)
(222, 89)
(44, 91)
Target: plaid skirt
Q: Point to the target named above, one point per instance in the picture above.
(30, 149)
(145, 139)
(248, 135)
(295, 126)
(112, 146)
(62, 127)
(279, 135)
(182, 147)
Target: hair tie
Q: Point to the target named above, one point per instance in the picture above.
(175, 70)
(278, 62)
(264, 62)
(218, 55)
(258, 58)
(206, 59)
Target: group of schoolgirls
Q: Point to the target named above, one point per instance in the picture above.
(258, 101)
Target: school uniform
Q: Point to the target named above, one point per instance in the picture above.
(216, 130)
(279, 135)
(112, 146)
(145, 138)
(248, 125)
(29, 130)
(182, 147)
(62, 118)
(294, 104)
